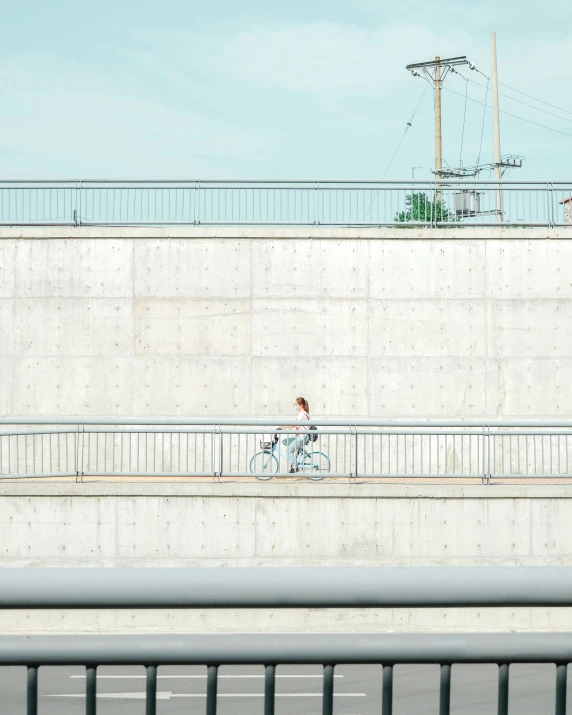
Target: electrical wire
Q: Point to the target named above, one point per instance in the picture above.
(395, 152)
(566, 111)
(502, 111)
(464, 117)
(526, 104)
(483, 124)
(518, 91)
(409, 123)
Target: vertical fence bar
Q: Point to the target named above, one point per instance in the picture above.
(387, 690)
(561, 677)
(503, 689)
(90, 690)
(32, 691)
(151, 691)
(212, 687)
(445, 690)
(489, 471)
(270, 689)
(328, 693)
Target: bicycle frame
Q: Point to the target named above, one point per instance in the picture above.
(301, 453)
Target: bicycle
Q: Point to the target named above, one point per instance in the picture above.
(266, 463)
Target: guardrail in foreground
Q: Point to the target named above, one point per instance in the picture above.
(240, 448)
(326, 202)
(141, 588)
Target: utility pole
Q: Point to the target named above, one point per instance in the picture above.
(438, 133)
(435, 72)
(496, 124)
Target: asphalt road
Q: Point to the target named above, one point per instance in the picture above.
(121, 691)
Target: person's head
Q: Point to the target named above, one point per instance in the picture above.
(302, 404)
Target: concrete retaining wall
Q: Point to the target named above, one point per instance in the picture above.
(96, 524)
(364, 322)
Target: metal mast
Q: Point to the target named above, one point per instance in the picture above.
(496, 124)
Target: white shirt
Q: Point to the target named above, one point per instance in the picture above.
(303, 415)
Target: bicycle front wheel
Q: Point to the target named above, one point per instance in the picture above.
(316, 465)
(264, 465)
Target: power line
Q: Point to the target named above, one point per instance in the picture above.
(409, 123)
(530, 96)
(522, 119)
(395, 152)
(566, 111)
(464, 117)
(526, 104)
(483, 123)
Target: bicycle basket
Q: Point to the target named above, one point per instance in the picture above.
(268, 440)
(314, 437)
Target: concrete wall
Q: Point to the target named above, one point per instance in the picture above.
(96, 524)
(363, 322)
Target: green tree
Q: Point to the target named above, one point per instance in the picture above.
(419, 208)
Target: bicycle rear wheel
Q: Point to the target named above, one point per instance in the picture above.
(264, 465)
(315, 465)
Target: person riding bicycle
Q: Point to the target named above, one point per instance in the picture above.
(296, 443)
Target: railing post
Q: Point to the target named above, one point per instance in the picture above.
(561, 677)
(486, 456)
(217, 430)
(90, 690)
(32, 691)
(503, 689)
(196, 207)
(354, 442)
(387, 691)
(445, 690)
(77, 453)
(77, 208)
(551, 202)
(316, 206)
(212, 688)
(269, 689)
(328, 692)
(151, 691)
(489, 470)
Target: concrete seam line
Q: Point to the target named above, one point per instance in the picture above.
(213, 495)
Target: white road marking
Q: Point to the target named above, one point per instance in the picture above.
(166, 695)
(142, 677)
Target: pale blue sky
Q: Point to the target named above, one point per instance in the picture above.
(304, 88)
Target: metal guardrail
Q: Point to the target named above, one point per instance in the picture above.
(324, 202)
(140, 588)
(294, 587)
(241, 448)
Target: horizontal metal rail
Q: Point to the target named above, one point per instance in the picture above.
(283, 649)
(242, 448)
(262, 587)
(328, 202)
(360, 587)
(277, 421)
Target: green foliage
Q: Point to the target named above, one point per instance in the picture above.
(419, 208)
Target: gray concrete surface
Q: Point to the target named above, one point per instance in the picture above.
(202, 524)
(236, 321)
(357, 690)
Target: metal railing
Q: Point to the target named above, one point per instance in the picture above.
(241, 448)
(298, 587)
(324, 202)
